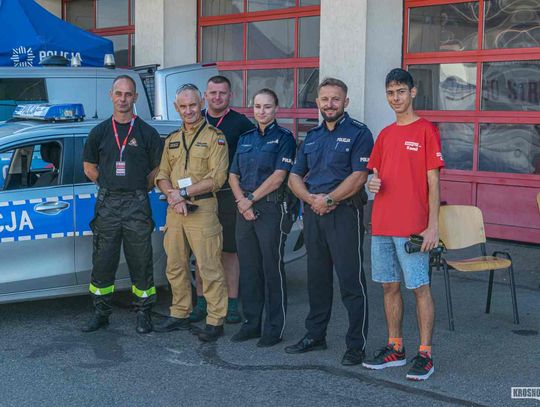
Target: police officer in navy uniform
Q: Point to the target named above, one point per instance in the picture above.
(260, 166)
(328, 175)
(122, 155)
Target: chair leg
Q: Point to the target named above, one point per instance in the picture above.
(449, 309)
(513, 291)
(490, 289)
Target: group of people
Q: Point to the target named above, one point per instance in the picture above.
(228, 185)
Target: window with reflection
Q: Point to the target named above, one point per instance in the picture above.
(270, 39)
(310, 2)
(308, 80)
(221, 7)
(444, 86)
(222, 43)
(511, 148)
(447, 27)
(511, 85)
(308, 36)
(111, 13)
(237, 86)
(280, 81)
(457, 141)
(80, 13)
(262, 5)
(511, 24)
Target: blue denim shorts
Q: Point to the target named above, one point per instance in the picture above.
(389, 259)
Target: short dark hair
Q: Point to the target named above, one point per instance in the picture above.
(123, 76)
(188, 86)
(333, 82)
(269, 92)
(220, 79)
(400, 76)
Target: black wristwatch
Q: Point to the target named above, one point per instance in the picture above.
(250, 196)
(183, 193)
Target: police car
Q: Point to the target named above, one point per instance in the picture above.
(46, 204)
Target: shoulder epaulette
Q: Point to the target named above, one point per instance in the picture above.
(315, 128)
(246, 132)
(357, 123)
(171, 133)
(286, 130)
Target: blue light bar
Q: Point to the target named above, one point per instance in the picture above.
(50, 112)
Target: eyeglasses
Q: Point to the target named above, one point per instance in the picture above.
(187, 86)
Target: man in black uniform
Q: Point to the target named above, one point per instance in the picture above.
(122, 155)
(328, 174)
(219, 114)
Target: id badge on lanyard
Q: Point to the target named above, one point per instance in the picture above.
(120, 165)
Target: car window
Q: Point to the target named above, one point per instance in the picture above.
(15, 91)
(33, 166)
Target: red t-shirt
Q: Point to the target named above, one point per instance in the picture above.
(403, 155)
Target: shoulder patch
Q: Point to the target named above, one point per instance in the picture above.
(357, 123)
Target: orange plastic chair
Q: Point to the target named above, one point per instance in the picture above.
(462, 226)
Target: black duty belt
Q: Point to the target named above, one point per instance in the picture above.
(202, 196)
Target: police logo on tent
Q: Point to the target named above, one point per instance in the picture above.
(23, 57)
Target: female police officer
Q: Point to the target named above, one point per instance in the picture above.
(260, 166)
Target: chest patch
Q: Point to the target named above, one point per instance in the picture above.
(201, 144)
(174, 144)
(412, 145)
(133, 143)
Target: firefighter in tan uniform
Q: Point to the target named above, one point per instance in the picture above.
(193, 167)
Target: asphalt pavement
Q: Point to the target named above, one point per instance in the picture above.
(46, 360)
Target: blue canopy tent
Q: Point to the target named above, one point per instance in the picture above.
(29, 33)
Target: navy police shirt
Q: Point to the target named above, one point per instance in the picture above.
(258, 155)
(328, 157)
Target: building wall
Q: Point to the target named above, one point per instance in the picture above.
(384, 51)
(165, 33)
(53, 6)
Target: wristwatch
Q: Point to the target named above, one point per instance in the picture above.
(329, 200)
(183, 193)
(250, 196)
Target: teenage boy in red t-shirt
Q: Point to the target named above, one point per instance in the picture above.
(405, 162)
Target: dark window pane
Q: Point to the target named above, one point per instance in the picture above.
(120, 43)
(14, 91)
(270, 39)
(308, 80)
(221, 7)
(111, 13)
(511, 86)
(80, 13)
(132, 37)
(237, 82)
(222, 43)
(260, 5)
(510, 148)
(457, 145)
(279, 80)
(308, 37)
(304, 125)
(445, 86)
(310, 2)
(511, 24)
(449, 27)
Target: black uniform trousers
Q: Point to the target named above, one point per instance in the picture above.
(335, 241)
(122, 218)
(260, 245)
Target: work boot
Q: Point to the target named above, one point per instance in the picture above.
(96, 322)
(144, 322)
(199, 311)
(210, 333)
(233, 316)
(170, 324)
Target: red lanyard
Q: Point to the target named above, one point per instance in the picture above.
(220, 119)
(122, 147)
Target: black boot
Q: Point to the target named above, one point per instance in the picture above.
(144, 322)
(210, 333)
(98, 321)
